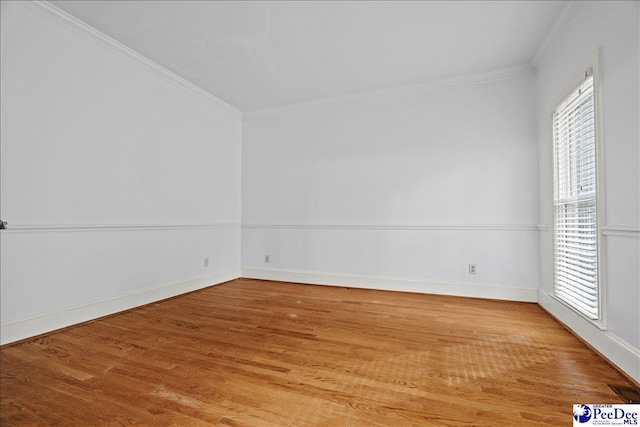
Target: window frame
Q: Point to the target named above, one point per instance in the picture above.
(592, 65)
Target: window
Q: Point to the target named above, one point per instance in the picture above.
(575, 225)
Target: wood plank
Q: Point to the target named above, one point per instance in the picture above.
(252, 352)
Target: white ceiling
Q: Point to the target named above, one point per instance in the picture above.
(262, 54)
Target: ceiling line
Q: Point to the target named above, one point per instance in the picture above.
(459, 81)
(563, 18)
(57, 15)
(61, 17)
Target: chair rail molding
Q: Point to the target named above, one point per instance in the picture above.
(461, 227)
(44, 228)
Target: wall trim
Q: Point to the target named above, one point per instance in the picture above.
(499, 292)
(612, 347)
(563, 18)
(57, 15)
(459, 81)
(460, 227)
(40, 323)
(46, 228)
(610, 230)
(621, 231)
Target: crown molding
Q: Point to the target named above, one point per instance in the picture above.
(57, 15)
(566, 14)
(87, 31)
(466, 80)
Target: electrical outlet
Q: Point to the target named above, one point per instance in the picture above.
(472, 269)
(267, 259)
(206, 262)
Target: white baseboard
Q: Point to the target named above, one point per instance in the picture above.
(395, 284)
(620, 353)
(29, 326)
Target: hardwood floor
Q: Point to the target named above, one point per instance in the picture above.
(261, 353)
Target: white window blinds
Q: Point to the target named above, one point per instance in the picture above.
(574, 201)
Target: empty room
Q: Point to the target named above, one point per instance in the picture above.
(341, 213)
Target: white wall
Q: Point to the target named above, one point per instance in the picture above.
(397, 192)
(118, 179)
(613, 26)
